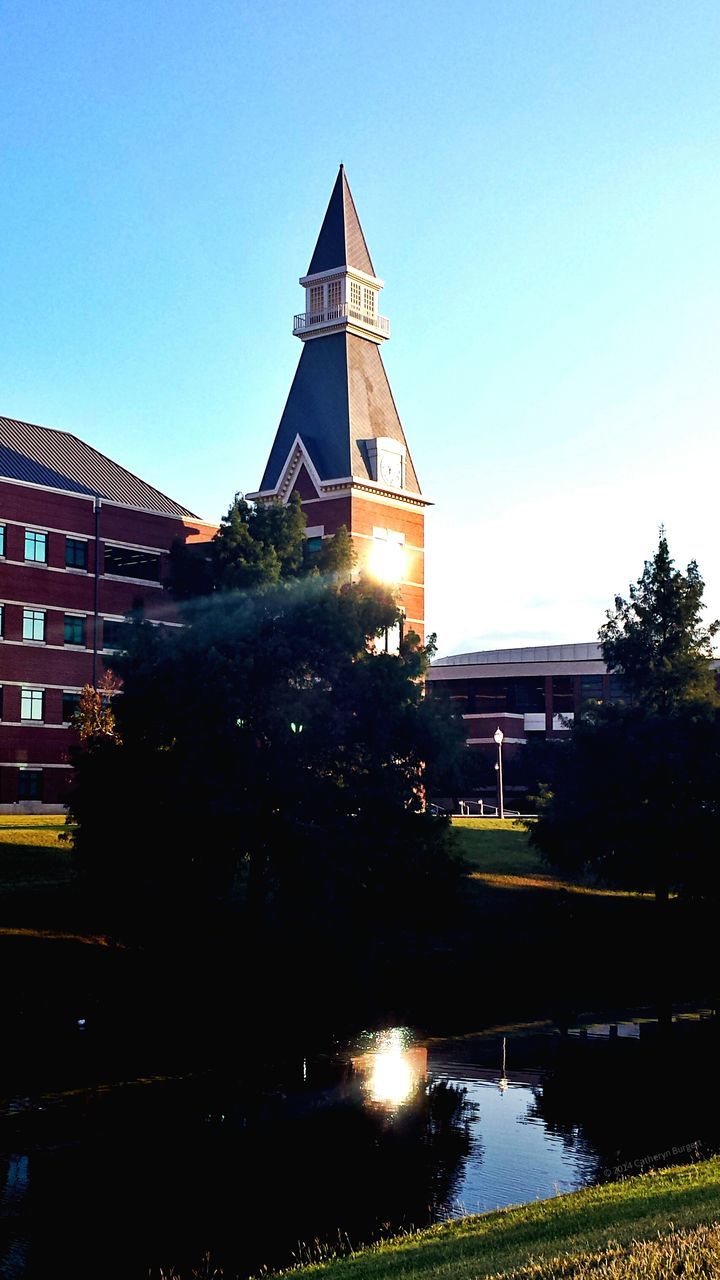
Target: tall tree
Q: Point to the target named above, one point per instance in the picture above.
(635, 797)
(656, 639)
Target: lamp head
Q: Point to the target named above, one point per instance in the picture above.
(498, 735)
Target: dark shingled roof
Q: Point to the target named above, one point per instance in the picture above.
(341, 242)
(340, 397)
(58, 460)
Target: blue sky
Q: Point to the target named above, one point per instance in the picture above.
(538, 185)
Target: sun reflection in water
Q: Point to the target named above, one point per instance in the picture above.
(391, 1070)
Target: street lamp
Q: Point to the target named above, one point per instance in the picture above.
(498, 736)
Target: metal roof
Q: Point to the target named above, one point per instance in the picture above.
(585, 652)
(340, 398)
(59, 460)
(341, 242)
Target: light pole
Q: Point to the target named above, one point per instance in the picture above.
(498, 736)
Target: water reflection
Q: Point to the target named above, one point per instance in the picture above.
(337, 1148)
(392, 1069)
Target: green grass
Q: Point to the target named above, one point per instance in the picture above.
(496, 847)
(32, 853)
(575, 1227)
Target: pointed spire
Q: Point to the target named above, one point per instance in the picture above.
(341, 241)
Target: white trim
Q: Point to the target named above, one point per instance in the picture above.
(138, 582)
(133, 546)
(33, 724)
(344, 270)
(41, 644)
(315, 531)
(23, 684)
(494, 715)
(31, 764)
(476, 742)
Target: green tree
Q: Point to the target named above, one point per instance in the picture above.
(257, 544)
(656, 639)
(635, 796)
(267, 740)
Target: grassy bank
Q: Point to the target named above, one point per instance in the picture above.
(586, 1234)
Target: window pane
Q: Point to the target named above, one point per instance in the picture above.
(33, 624)
(127, 562)
(70, 706)
(76, 553)
(74, 629)
(562, 694)
(114, 634)
(2, 619)
(30, 784)
(591, 688)
(2, 539)
(35, 546)
(31, 704)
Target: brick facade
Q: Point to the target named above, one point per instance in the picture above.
(35, 735)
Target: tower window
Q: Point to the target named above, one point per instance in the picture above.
(334, 292)
(355, 294)
(316, 299)
(370, 302)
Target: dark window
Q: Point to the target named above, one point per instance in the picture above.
(30, 784)
(2, 539)
(563, 696)
(591, 688)
(314, 545)
(1, 702)
(114, 634)
(33, 624)
(2, 619)
(76, 553)
(526, 695)
(128, 562)
(618, 690)
(36, 546)
(74, 629)
(70, 706)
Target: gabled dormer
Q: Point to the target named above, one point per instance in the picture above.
(341, 289)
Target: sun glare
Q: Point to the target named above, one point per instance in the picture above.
(387, 560)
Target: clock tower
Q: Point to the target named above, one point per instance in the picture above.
(340, 444)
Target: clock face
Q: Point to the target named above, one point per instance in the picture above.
(391, 469)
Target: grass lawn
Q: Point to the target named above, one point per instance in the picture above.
(32, 853)
(587, 1234)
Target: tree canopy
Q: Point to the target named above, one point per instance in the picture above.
(257, 544)
(272, 752)
(635, 793)
(656, 639)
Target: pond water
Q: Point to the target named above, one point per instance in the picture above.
(277, 1162)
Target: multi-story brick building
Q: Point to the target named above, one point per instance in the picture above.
(83, 542)
(340, 444)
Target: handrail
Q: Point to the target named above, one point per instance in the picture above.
(344, 311)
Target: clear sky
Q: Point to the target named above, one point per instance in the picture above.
(538, 185)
